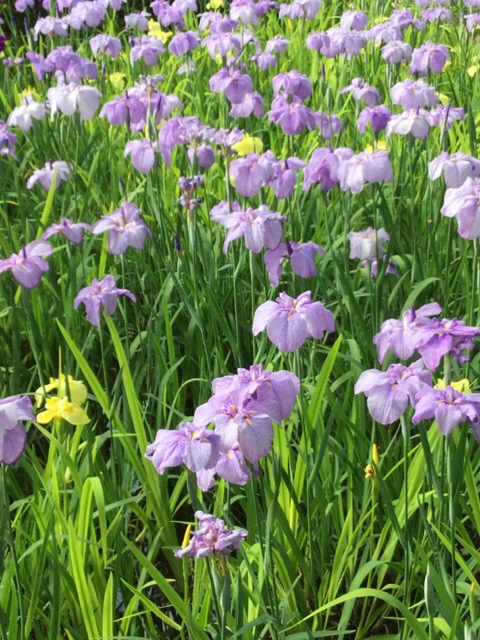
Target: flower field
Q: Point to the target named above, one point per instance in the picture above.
(239, 320)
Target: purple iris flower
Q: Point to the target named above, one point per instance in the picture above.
(429, 56)
(293, 84)
(51, 26)
(7, 141)
(73, 231)
(439, 338)
(167, 14)
(290, 321)
(276, 391)
(472, 20)
(284, 179)
(142, 153)
(456, 168)
(378, 116)
(137, 20)
(449, 408)
(59, 169)
(260, 227)
(278, 44)
(293, 117)
(233, 83)
(328, 124)
(384, 32)
(435, 14)
(231, 466)
(412, 94)
(323, 167)
(445, 115)
(364, 167)
(147, 48)
(183, 42)
(13, 435)
(301, 256)
(87, 14)
(251, 173)
(368, 244)
(251, 103)
(464, 203)
(300, 9)
(211, 537)
(354, 20)
(413, 122)
(397, 51)
(101, 293)
(223, 44)
(345, 42)
(125, 227)
(361, 90)
(105, 44)
(389, 392)
(239, 418)
(398, 335)
(195, 447)
(28, 265)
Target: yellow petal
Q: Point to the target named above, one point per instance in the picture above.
(247, 145)
(472, 70)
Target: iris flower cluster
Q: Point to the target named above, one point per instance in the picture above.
(242, 409)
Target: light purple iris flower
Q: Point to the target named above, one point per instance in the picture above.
(436, 13)
(290, 321)
(142, 153)
(301, 256)
(183, 42)
(137, 20)
(252, 172)
(367, 166)
(28, 265)
(193, 446)
(439, 338)
(211, 537)
(413, 122)
(361, 90)
(456, 168)
(412, 94)
(398, 335)
(125, 227)
(354, 20)
(389, 392)
(328, 124)
(464, 203)
(300, 9)
(13, 435)
(397, 51)
(24, 115)
(233, 83)
(231, 466)
(449, 408)
(73, 231)
(293, 117)
(251, 103)
(368, 244)
(101, 293)
(445, 115)
(59, 169)
(378, 116)
(260, 227)
(105, 44)
(71, 98)
(284, 179)
(293, 84)
(7, 141)
(239, 418)
(324, 167)
(429, 56)
(150, 49)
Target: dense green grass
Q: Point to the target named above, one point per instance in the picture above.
(88, 527)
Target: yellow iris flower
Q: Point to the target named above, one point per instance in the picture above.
(62, 409)
(76, 389)
(248, 144)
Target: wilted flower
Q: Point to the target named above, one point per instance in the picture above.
(45, 176)
(28, 265)
(125, 227)
(389, 392)
(101, 293)
(13, 435)
(290, 321)
(212, 537)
